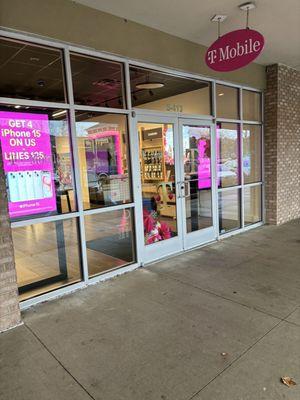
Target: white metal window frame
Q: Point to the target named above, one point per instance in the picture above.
(72, 107)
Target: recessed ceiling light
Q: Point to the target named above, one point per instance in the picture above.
(41, 83)
(221, 94)
(150, 85)
(17, 106)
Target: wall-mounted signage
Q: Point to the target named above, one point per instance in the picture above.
(27, 162)
(234, 50)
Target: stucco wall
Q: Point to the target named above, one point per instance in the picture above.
(68, 21)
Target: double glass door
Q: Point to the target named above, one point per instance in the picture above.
(175, 185)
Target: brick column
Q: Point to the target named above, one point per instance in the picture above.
(9, 301)
(282, 144)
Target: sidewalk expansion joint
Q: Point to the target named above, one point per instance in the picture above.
(58, 361)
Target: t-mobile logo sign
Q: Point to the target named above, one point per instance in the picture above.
(234, 50)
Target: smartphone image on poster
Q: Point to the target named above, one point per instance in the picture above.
(37, 185)
(29, 185)
(13, 187)
(46, 184)
(21, 183)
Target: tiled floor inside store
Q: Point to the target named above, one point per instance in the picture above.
(217, 323)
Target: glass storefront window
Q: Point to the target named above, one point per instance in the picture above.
(37, 151)
(229, 210)
(252, 204)
(158, 181)
(251, 106)
(228, 154)
(197, 176)
(155, 90)
(252, 153)
(37, 161)
(31, 72)
(97, 82)
(227, 100)
(110, 240)
(104, 159)
(47, 256)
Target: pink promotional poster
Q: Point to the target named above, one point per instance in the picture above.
(27, 161)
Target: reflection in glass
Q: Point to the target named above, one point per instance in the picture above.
(158, 181)
(109, 240)
(251, 106)
(252, 204)
(155, 90)
(228, 154)
(47, 256)
(37, 161)
(227, 99)
(229, 210)
(104, 159)
(31, 71)
(197, 176)
(97, 82)
(252, 153)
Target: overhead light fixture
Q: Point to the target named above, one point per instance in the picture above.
(17, 106)
(150, 85)
(58, 113)
(218, 18)
(247, 6)
(221, 94)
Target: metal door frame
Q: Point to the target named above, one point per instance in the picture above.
(162, 249)
(205, 235)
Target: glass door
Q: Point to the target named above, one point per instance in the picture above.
(197, 184)
(159, 227)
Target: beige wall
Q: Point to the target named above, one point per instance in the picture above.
(74, 23)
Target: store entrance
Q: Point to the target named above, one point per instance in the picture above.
(175, 185)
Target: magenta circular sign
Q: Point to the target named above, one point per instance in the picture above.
(234, 50)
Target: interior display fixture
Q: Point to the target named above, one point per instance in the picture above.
(158, 181)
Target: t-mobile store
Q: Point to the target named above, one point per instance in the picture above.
(111, 163)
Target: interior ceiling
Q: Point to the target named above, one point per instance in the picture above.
(277, 20)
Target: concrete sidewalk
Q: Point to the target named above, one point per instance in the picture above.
(158, 333)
